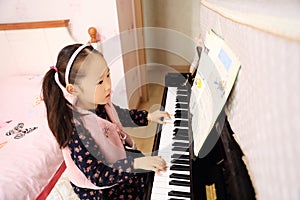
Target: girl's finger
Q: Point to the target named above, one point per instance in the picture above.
(168, 115)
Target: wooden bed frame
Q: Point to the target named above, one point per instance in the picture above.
(33, 25)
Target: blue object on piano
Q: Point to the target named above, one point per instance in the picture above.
(224, 58)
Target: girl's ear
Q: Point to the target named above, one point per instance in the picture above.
(71, 89)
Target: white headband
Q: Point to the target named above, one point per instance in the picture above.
(68, 68)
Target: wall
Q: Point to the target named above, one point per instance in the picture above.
(82, 14)
(101, 14)
(176, 16)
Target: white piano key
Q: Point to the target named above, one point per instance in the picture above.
(164, 187)
(161, 186)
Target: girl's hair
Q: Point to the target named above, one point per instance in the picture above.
(59, 109)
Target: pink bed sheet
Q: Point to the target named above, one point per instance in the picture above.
(30, 159)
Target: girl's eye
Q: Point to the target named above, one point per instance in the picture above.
(108, 75)
(100, 82)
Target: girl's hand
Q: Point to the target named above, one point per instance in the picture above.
(153, 163)
(157, 115)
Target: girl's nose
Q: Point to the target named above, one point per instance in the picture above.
(108, 84)
(108, 87)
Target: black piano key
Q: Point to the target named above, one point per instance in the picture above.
(181, 111)
(179, 194)
(182, 92)
(181, 99)
(181, 123)
(182, 87)
(180, 144)
(181, 114)
(181, 135)
(180, 167)
(180, 161)
(181, 131)
(177, 115)
(182, 105)
(180, 138)
(180, 183)
(176, 155)
(175, 199)
(182, 149)
(180, 176)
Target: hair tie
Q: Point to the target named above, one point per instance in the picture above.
(56, 77)
(53, 67)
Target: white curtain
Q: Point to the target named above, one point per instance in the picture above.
(264, 109)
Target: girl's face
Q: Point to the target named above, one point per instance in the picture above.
(95, 86)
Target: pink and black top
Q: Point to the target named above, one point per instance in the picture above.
(97, 163)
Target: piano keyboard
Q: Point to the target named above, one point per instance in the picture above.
(174, 148)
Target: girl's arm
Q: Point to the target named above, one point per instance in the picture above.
(132, 118)
(93, 165)
(103, 174)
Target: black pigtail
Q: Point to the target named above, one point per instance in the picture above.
(59, 110)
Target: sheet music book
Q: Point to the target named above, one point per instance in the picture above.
(216, 74)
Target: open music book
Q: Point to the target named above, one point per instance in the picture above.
(217, 70)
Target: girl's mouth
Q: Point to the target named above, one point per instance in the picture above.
(107, 96)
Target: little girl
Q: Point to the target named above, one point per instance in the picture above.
(89, 130)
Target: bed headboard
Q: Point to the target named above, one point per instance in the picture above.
(31, 47)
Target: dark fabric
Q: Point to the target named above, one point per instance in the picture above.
(128, 118)
(130, 183)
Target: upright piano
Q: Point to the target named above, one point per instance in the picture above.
(217, 172)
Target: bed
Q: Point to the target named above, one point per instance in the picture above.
(30, 159)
